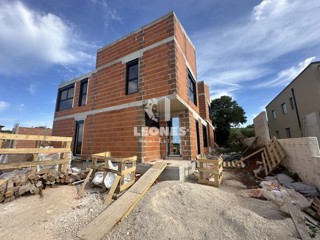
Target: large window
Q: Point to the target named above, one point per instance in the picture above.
(132, 83)
(65, 98)
(192, 91)
(284, 108)
(78, 138)
(205, 136)
(83, 92)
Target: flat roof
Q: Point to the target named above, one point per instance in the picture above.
(317, 62)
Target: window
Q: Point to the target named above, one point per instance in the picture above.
(288, 132)
(132, 77)
(291, 103)
(65, 98)
(274, 114)
(192, 92)
(284, 108)
(205, 136)
(78, 138)
(83, 92)
(277, 134)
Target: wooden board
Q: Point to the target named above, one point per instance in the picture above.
(296, 215)
(9, 136)
(33, 150)
(85, 182)
(122, 207)
(108, 198)
(32, 164)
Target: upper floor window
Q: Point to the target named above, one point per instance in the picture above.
(284, 108)
(65, 98)
(291, 103)
(132, 84)
(274, 114)
(192, 90)
(83, 92)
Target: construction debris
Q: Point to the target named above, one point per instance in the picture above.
(30, 182)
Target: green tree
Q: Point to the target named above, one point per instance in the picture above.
(225, 113)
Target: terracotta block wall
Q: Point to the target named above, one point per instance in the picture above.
(31, 131)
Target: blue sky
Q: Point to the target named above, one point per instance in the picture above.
(249, 49)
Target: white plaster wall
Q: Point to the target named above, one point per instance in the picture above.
(261, 128)
(303, 158)
(312, 125)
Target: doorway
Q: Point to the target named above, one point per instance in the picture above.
(174, 138)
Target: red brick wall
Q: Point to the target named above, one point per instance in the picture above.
(136, 41)
(31, 131)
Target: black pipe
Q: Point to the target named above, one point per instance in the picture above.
(296, 107)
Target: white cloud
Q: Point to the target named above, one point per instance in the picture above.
(3, 105)
(246, 50)
(287, 75)
(110, 14)
(32, 88)
(32, 40)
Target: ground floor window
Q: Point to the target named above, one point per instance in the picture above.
(288, 132)
(78, 138)
(205, 136)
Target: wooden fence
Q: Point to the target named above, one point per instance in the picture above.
(65, 151)
(210, 172)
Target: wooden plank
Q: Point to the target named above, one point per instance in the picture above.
(122, 207)
(275, 153)
(108, 198)
(212, 161)
(205, 170)
(10, 136)
(33, 150)
(114, 159)
(3, 181)
(128, 170)
(85, 182)
(125, 185)
(296, 215)
(250, 155)
(279, 148)
(273, 161)
(264, 163)
(32, 164)
(267, 161)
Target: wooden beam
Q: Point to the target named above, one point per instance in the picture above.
(113, 188)
(33, 150)
(251, 155)
(85, 182)
(10, 136)
(296, 215)
(32, 164)
(123, 206)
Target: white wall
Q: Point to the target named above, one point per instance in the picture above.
(261, 128)
(303, 158)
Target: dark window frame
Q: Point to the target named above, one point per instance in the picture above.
(291, 103)
(205, 136)
(76, 138)
(288, 132)
(83, 94)
(128, 65)
(59, 101)
(192, 88)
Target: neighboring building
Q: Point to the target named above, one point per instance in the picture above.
(261, 128)
(143, 82)
(295, 111)
(29, 131)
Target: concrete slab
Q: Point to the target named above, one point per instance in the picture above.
(176, 170)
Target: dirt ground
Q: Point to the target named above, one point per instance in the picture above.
(169, 210)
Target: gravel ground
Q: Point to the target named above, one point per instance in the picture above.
(169, 210)
(174, 210)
